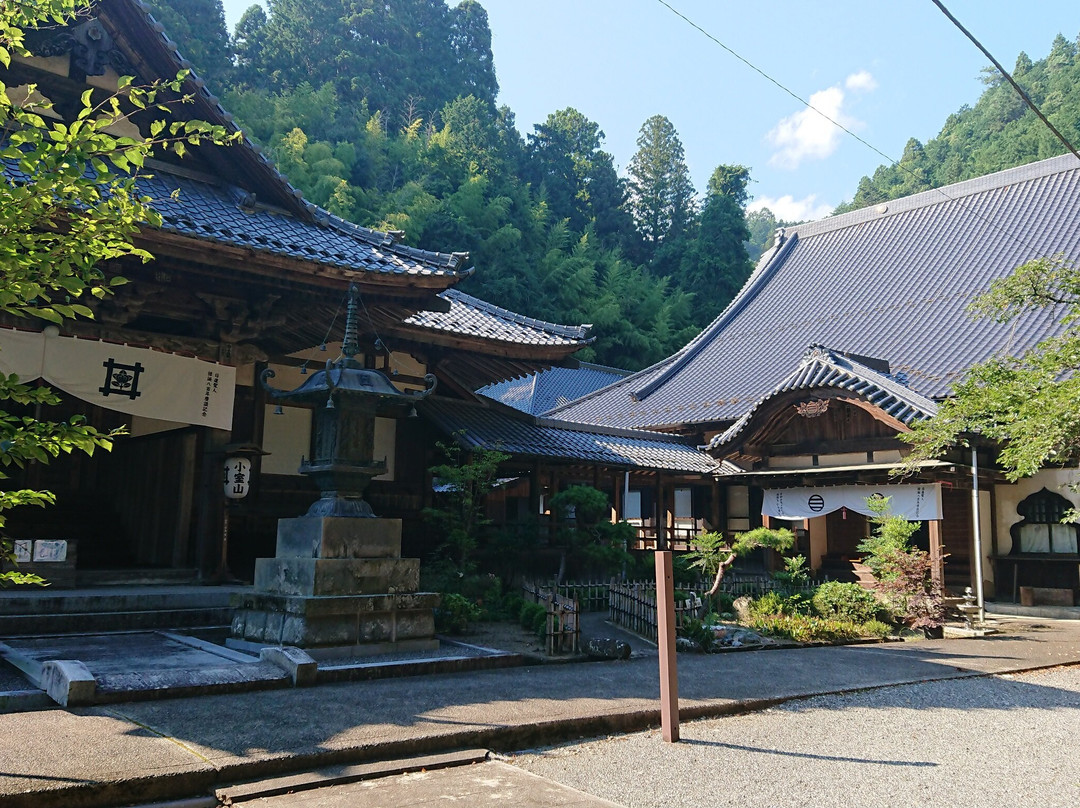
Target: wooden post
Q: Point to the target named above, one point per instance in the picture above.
(665, 640)
(937, 555)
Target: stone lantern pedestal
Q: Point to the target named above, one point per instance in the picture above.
(337, 583)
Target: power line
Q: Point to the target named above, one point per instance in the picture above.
(769, 78)
(892, 162)
(1008, 77)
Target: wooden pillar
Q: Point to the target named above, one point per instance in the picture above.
(618, 498)
(210, 500)
(718, 509)
(665, 639)
(937, 553)
(660, 510)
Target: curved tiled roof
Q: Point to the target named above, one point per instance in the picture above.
(221, 214)
(503, 429)
(891, 281)
(822, 369)
(471, 316)
(539, 392)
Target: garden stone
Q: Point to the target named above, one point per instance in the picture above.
(741, 607)
(607, 648)
(686, 644)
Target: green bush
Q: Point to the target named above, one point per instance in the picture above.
(773, 603)
(454, 613)
(845, 601)
(529, 613)
(699, 632)
(804, 628)
(875, 628)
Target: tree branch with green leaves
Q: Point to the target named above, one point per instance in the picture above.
(1028, 404)
(69, 203)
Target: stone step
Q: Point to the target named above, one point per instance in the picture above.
(136, 577)
(13, 625)
(126, 599)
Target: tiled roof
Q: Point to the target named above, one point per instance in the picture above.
(820, 369)
(892, 281)
(539, 392)
(221, 214)
(492, 427)
(471, 316)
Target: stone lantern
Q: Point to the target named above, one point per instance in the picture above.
(345, 397)
(337, 583)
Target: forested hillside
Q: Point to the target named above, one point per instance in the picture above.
(999, 132)
(385, 113)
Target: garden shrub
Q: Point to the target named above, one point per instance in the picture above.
(698, 632)
(875, 628)
(454, 613)
(845, 601)
(529, 613)
(773, 603)
(804, 628)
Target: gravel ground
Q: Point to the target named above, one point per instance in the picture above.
(1001, 742)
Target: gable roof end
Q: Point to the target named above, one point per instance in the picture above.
(822, 369)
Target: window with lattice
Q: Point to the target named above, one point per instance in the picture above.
(1042, 530)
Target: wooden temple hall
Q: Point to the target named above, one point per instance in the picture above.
(247, 276)
(787, 409)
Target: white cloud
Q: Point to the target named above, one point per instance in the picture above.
(861, 82)
(809, 134)
(788, 209)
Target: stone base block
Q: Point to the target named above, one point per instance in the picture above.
(1046, 596)
(68, 682)
(338, 537)
(313, 622)
(336, 576)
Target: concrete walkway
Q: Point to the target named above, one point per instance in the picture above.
(189, 747)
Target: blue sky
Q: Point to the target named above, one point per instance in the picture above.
(887, 70)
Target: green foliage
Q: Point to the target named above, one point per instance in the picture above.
(1029, 404)
(467, 478)
(998, 132)
(530, 613)
(699, 632)
(903, 572)
(661, 194)
(74, 207)
(803, 628)
(889, 540)
(773, 603)
(394, 56)
(592, 545)
(795, 574)
(845, 601)
(711, 550)
(454, 614)
(200, 26)
(877, 628)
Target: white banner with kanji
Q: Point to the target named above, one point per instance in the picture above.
(138, 381)
(913, 502)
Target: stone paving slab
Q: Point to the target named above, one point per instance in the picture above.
(490, 783)
(181, 747)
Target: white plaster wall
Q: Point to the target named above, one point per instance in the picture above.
(287, 437)
(385, 445)
(1009, 496)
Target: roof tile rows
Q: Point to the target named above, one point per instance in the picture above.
(892, 281)
(215, 213)
(822, 369)
(539, 392)
(471, 316)
(476, 425)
